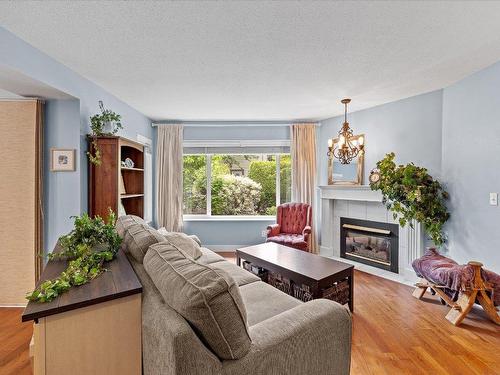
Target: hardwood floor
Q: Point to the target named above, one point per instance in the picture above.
(14, 342)
(393, 333)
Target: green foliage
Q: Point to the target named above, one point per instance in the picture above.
(264, 173)
(97, 123)
(234, 195)
(91, 243)
(285, 178)
(412, 194)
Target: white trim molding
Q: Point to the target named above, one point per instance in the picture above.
(237, 143)
(228, 218)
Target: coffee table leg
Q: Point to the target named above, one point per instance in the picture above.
(238, 260)
(351, 291)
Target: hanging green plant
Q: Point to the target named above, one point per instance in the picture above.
(105, 123)
(88, 246)
(412, 194)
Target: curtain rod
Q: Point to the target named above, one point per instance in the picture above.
(229, 123)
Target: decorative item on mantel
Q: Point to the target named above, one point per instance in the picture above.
(347, 146)
(412, 194)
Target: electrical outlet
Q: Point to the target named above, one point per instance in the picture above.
(264, 233)
(494, 199)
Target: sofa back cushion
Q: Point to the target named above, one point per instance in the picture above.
(194, 237)
(208, 299)
(125, 222)
(138, 238)
(184, 243)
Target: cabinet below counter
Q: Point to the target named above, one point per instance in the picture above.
(94, 328)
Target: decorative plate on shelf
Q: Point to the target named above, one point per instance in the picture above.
(129, 163)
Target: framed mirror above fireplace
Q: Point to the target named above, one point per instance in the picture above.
(370, 242)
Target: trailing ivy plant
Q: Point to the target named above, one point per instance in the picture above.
(87, 247)
(412, 194)
(97, 124)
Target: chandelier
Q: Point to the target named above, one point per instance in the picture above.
(345, 147)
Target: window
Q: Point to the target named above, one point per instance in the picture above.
(237, 184)
(195, 184)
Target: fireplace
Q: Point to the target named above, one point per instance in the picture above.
(370, 242)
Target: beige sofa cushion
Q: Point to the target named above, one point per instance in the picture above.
(209, 299)
(125, 222)
(240, 275)
(209, 256)
(138, 238)
(264, 301)
(184, 243)
(194, 237)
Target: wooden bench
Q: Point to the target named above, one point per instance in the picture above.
(466, 299)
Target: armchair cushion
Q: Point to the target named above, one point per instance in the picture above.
(273, 230)
(293, 240)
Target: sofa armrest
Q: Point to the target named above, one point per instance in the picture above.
(273, 230)
(312, 338)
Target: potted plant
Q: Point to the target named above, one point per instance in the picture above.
(412, 194)
(105, 123)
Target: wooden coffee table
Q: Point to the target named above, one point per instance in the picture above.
(315, 271)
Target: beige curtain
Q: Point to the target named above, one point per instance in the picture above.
(169, 177)
(303, 151)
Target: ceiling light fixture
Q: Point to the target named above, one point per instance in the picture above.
(345, 148)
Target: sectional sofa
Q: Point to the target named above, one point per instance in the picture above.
(204, 315)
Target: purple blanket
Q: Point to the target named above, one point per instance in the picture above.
(454, 277)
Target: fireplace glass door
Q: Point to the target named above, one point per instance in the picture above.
(368, 246)
(370, 242)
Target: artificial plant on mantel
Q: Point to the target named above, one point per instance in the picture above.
(105, 123)
(412, 194)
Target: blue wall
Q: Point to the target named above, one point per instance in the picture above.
(471, 166)
(62, 190)
(410, 127)
(66, 127)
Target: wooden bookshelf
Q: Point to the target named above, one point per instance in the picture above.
(105, 179)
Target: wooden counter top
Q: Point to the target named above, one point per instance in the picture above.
(118, 281)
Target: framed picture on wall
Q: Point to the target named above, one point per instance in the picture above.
(62, 160)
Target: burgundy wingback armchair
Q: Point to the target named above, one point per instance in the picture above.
(293, 226)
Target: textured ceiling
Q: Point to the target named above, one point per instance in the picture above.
(261, 60)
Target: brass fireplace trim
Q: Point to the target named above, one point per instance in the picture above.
(367, 229)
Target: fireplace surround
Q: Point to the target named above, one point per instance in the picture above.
(360, 202)
(370, 242)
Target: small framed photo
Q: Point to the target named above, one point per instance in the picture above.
(62, 160)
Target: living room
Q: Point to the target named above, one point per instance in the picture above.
(250, 187)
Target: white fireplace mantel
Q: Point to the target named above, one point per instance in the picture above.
(360, 202)
(350, 193)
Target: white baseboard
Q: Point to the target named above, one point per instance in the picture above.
(23, 305)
